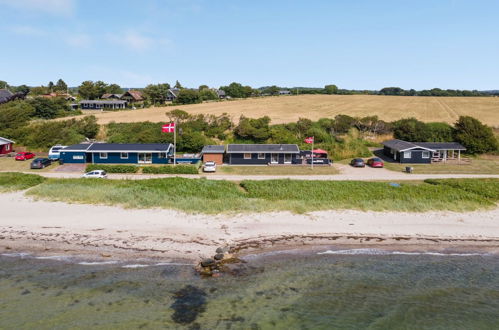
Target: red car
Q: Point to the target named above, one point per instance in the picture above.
(24, 155)
(375, 162)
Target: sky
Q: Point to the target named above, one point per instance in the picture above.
(355, 44)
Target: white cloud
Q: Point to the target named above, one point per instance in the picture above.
(138, 42)
(53, 7)
(27, 30)
(79, 40)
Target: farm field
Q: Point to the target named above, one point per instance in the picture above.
(283, 109)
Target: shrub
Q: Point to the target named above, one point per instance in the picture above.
(113, 168)
(170, 169)
(475, 136)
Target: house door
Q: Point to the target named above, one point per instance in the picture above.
(274, 158)
(145, 158)
(287, 158)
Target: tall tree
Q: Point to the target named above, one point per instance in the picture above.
(114, 89)
(331, 89)
(50, 87)
(475, 136)
(156, 94)
(61, 86)
(87, 90)
(3, 84)
(178, 85)
(188, 96)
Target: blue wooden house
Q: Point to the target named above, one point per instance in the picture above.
(422, 152)
(263, 154)
(118, 153)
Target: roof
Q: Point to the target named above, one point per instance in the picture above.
(5, 141)
(5, 95)
(213, 149)
(400, 145)
(120, 147)
(136, 95)
(102, 102)
(111, 95)
(441, 145)
(263, 148)
(174, 91)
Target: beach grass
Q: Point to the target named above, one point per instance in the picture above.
(11, 181)
(277, 170)
(297, 196)
(488, 165)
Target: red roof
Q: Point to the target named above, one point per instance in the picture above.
(319, 151)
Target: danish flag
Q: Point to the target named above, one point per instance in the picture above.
(168, 128)
(309, 140)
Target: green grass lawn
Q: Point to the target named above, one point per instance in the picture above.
(10, 164)
(477, 166)
(18, 181)
(214, 196)
(276, 170)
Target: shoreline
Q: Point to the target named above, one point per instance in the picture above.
(108, 232)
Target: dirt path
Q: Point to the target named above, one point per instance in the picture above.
(346, 173)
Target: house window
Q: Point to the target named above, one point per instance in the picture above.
(287, 158)
(103, 155)
(78, 157)
(7, 147)
(124, 155)
(407, 154)
(162, 155)
(247, 156)
(426, 154)
(261, 156)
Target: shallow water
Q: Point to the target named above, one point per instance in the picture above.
(341, 289)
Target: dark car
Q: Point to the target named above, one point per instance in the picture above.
(39, 163)
(358, 162)
(375, 162)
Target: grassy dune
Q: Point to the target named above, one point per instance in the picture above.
(213, 196)
(284, 109)
(18, 181)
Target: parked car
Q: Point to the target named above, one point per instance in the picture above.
(209, 166)
(24, 155)
(54, 152)
(39, 163)
(375, 162)
(96, 174)
(358, 162)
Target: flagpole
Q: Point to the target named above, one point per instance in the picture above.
(312, 162)
(174, 144)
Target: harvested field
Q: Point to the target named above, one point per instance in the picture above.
(283, 109)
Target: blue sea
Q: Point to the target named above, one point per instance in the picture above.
(327, 288)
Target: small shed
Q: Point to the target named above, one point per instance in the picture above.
(213, 153)
(6, 146)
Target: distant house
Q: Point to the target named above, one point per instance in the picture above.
(6, 146)
(172, 94)
(7, 96)
(132, 96)
(102, 104)
(109, 96)
(213, 153)
(422, 152)
(221, 94)
(284, 92)
(118, 153)
(263, 154)
(66, 96)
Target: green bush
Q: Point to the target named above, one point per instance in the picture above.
(113, 168)
(170, 169)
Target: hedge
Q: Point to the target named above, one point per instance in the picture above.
(113, 168)
(170, 169)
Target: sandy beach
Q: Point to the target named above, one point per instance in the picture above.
(114, 232)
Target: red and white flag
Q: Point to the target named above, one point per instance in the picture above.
(168, 128)
(309, 140)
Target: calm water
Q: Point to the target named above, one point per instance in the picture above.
(283, 291)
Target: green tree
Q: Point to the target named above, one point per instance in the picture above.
(39, 90)
(14, 115)
(410, 129)
(156, 94)
(237, 90)
(99, 88)
(49, 108)
(87, 90)
(256, 130)
(201, 87)
(475, 136)
(178, 85)
(114, 89)
(3, 84)
(331, 89)
(60, 86)
(343, 123)
(21, 89)
(188, 96)
(50, 87)
(178, 116)
(208, 94)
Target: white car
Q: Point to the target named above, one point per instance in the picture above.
(209, 167)
(97, 174)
